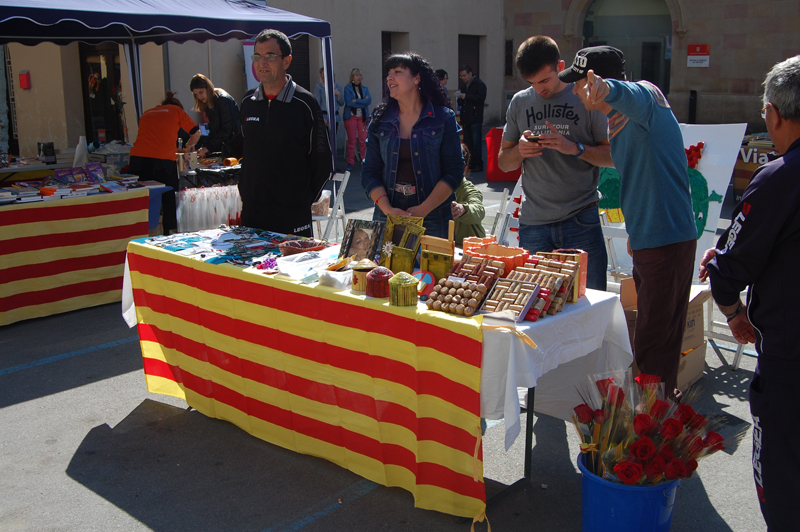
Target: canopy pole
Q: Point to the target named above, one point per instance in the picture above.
(327, 60)
(135, 74)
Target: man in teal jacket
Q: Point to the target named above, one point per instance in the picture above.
(655, 196)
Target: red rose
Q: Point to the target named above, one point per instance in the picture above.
(697, 422)
(645, 381)
(655, 468)
(628, 472)
(643, 424)
(584, 413)
(666, 453)
(643, 448)
(615, 396)
(675, 469)
(603, 385)
(691, 466)
(671, 429)
(600, 416)
(695, 446)
(714, 441)
(659, 409)
(684, 413)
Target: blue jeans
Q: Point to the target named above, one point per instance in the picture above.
(582, 231)
(474, 141)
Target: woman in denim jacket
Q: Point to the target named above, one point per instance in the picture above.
(414, 162)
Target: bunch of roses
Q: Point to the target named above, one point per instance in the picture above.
(639, 437)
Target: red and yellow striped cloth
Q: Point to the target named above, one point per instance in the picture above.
(390, 393)
(57, 256)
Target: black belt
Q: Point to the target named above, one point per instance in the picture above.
(592, 205)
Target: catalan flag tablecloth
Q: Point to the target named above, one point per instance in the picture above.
(390, 393)
(57, 256)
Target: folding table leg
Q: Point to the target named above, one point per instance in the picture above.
(526, 479)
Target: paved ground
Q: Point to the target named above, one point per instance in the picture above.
(83, 447)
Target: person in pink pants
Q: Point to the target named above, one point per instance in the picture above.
(356, 116)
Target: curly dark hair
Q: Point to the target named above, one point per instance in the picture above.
(429, 86)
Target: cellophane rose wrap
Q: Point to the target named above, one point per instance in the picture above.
(634, 434)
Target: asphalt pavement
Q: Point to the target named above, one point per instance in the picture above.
(84, 447)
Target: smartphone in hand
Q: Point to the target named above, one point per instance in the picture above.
(533, 138)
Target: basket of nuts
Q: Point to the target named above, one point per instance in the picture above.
(457, 297)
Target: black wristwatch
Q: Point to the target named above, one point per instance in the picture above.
(581, 149)
(739, 309)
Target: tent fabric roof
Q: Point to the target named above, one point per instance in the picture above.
(139, 21)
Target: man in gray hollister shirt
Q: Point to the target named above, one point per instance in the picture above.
(559, 169)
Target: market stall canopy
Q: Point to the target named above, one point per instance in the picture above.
(123, 21)
(135, 22)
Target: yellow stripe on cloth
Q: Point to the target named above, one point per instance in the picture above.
(426, 359)
(76, 225)
(59, 279)
(316, 382)
(65, 252)
(56, 307)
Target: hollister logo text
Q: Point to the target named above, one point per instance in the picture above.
(549, 111)
(252, 119)
(736, 226)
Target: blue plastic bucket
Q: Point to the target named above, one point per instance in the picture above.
(608, 506)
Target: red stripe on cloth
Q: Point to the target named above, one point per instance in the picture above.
(425, 472)
(363, 404)
(58, 240)
(59, 293)
(71, 212)
(45, 269)
(422, 382)
(339, 313)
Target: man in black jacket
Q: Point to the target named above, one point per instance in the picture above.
(287, 155)
(472, 99)
(760, 250)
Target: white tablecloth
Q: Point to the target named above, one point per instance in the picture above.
(590, 336)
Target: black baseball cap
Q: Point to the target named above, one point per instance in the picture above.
(606, 61)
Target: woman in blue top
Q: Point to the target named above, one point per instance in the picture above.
(414, 161)
(356, 115)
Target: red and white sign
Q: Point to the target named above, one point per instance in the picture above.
(698, 55)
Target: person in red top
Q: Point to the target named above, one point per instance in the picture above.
(153, 153)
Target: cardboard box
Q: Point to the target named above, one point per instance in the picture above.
(692, 366)
(694, 333)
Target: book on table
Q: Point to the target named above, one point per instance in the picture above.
(113, 186)
(152, 184)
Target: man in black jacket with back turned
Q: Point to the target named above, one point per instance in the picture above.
(287, 155)
(472, 99)
(760, 250)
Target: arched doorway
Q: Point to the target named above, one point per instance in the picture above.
(642, 29)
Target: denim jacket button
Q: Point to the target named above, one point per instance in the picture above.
(419, 171)
(414, 135)
(416, 153)
(433, 133)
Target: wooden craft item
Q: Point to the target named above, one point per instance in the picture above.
(402, 259)
(397, 234)
(378, 282)
(437, 263)
(403, 290)
(360, 271)
(462, 298)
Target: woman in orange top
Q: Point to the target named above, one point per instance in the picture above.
(153, 153)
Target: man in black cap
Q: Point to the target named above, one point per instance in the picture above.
(647, 150)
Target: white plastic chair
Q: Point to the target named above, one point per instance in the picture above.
(335, 211)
